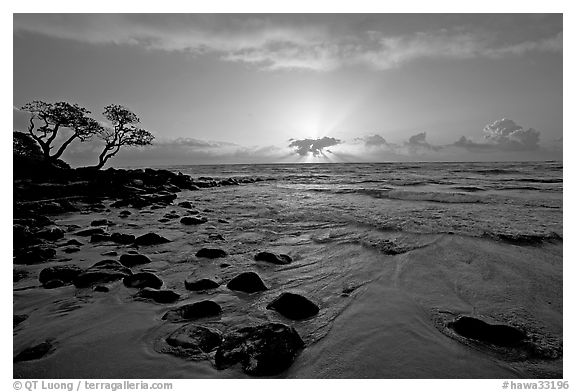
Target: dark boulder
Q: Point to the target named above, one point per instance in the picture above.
(143, 279)
(34, 255)
(273, 258)
(23, 237)
(263, 350)
(193, 220)
(194, 284)
(71, 249)
(54, 283)
(160, 296)
(215, 237)
(18, 275)
(185, 204)
(102, 272)
(150, 239)
(131, 259)
(193, 341)
(65, 273)
(101, 289)
(100, 238)
(211, 253)
(193, 311)
(51, 233)
(496, 334)
(121, 238)
(18, 319)
(247, 282)
(124, 214)
(73, 242)
(294, 306)
(35, 352)
(90, 232)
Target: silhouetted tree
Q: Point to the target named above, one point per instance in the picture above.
(52, 117)
(25, 146)
(123, 132)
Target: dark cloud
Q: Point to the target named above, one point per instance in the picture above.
(374, 141)
(313, 146)
(417, 143)
(471, 145)
(319, 42)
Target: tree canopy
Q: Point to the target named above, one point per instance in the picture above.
(48, 119)
(122, 132)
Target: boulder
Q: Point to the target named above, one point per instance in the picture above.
(65, 273)
(160, 296)
(194, 284)
(100, 238)
(193, 311)
(121, 238)
(185, 204)
(294, 306)
(102, 272)
(263, 350)
(18, 275)
(90, 232)
(51, 233)
(193, 341)
(124, 214)
(54, 283)
(215, 237)
(71, 249)
(211, 253)
(143, 279)
(150, 239)
(247, 282)
(18, 319)
(101, 289)
(496, 334)
(73, 242)
(35, 352)
(23, 237)
(273, 258)
(193, 220)
(34, 255)
(131, 259)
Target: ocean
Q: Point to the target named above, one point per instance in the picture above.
(391, 253)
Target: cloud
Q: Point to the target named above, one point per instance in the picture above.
(317, 43)
(503, 135)
(418, 143)
(509, 135)
(304, 147)
(374, 141)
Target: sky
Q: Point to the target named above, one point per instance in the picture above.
(281, 88)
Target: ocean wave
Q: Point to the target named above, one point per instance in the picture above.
(438, 197)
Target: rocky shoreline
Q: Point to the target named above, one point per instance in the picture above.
(260, 347)
(262, 350)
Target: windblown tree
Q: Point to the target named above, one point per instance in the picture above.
(123, 132)
(25, 146)
(48, 120)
